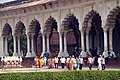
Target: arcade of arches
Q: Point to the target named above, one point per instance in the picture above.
(69, 38)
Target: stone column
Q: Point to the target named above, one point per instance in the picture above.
(60, 44)
(105, 40)
(83, 53)
(87, 40)
(48, 43)
(19, 53)
(15, 53)
(65, 45)
(43, 42)
(28, 46)
(32, 46)
(6, 46)
(82, 40)
(110, 39)
(3, 51)
(98, 42)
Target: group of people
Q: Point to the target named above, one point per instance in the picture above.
(71, 63)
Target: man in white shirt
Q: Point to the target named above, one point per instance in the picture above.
(62, 61)
(100, 63)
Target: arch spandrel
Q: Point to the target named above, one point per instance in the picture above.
(24, 20)
(63, 14)
(56, 15)
(110, 22)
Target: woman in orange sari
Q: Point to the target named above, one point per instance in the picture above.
(40, 62)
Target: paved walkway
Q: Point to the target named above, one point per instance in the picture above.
(45, 69)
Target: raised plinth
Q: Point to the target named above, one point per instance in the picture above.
(30, 55)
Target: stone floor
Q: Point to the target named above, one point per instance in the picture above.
(45, 69)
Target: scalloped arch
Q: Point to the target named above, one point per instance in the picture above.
(50, 24)
(70, 19)
(89, 16)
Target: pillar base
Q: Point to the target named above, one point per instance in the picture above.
(83, 53)
(6, 54)
(60, 54)
(30, 55)
(42, 54)
(65, 54)
(112, 53)
(20, 54)
(105, 54)
(15, 54)
(2, 54)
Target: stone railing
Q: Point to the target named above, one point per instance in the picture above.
(11, 62)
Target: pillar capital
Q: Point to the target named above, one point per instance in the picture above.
(43, 33)
(60, 33)
(32, 35)
(48, 33)
(105, 29)
(110, 29)
(87, 32)
(65, 32)
(83, 29)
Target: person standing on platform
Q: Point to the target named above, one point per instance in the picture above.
(52, 63)
(37, 62)
(90, 62)
(67, 62)
(62, 61)
(100, 63)
(40, 62)
(80, 62)
(56, 62)
(45, 61)
(70, 64)
(74, 63)
(103, 63)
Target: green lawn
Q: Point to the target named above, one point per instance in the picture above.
(64, 75)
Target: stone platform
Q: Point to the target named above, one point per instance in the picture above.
(45, 69)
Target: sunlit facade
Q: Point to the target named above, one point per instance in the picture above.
(30, 29)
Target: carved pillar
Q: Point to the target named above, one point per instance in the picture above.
(32, 46)
(105, 40)
(19, 53)
(83, 53)
(60, 44)
(3, 45)
(98, 42)
(28, 46)
(87, 40)
(6, 46)
(110, 39)
(43, 44)
(15, 53)
(65, 45)
(48, 43)
(82, 40)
